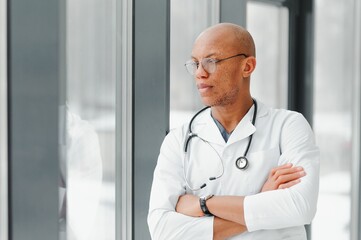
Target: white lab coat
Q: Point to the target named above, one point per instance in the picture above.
(280, 136)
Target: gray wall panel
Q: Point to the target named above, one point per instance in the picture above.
(33, 131)
(233, 11)
(301, 50)
(151, 100)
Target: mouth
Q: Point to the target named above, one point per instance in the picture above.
(202, 87)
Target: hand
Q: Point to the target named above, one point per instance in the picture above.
(284, 176)
(189, 205)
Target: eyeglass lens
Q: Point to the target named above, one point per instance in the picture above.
(208, 64)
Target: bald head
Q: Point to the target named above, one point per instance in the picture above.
(226, 80)
(228, 36)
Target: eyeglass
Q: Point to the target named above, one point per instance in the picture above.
(209, 64)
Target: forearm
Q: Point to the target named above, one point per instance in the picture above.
(224, 224)
(227, 207)
(223, 229)
(164, 225)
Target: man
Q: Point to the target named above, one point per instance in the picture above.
(238, 171)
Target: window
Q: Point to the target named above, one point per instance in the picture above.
(269, 80)
(188, 19)
(333, 113)
(87, 184)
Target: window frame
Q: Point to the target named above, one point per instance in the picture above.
(3, 124)
(124, 123)
(356, 139)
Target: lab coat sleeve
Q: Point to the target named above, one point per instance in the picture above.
(294, 206)
(168, 184)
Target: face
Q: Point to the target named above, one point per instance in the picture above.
(227, 84)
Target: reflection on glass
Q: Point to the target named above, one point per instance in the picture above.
(87, 146)
(80, 177)
(269, 80)
(188, 19)
(333, 116)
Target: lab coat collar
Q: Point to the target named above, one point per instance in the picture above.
(207, 129)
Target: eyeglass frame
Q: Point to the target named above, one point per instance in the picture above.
(215, 61)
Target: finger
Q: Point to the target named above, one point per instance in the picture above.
(284, 166)
(289, 184)
(290, 177)
(286, 171)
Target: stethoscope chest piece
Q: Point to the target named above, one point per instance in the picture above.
(242, 163)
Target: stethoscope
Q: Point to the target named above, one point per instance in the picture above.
(241, 163)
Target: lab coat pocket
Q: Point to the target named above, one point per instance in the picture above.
(260, 165)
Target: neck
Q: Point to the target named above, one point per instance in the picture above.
(230, 115)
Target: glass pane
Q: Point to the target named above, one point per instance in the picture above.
(269, 80)
(188, 19)
(333, 116)
(87, 183)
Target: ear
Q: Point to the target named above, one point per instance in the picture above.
(248, 66)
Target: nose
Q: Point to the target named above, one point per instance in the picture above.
(201, 72)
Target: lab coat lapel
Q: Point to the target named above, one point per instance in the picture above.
(245, 127)
(243, 130)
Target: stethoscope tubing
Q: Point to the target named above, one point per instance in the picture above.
(241, 163)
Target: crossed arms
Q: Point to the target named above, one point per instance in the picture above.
(228, 210)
